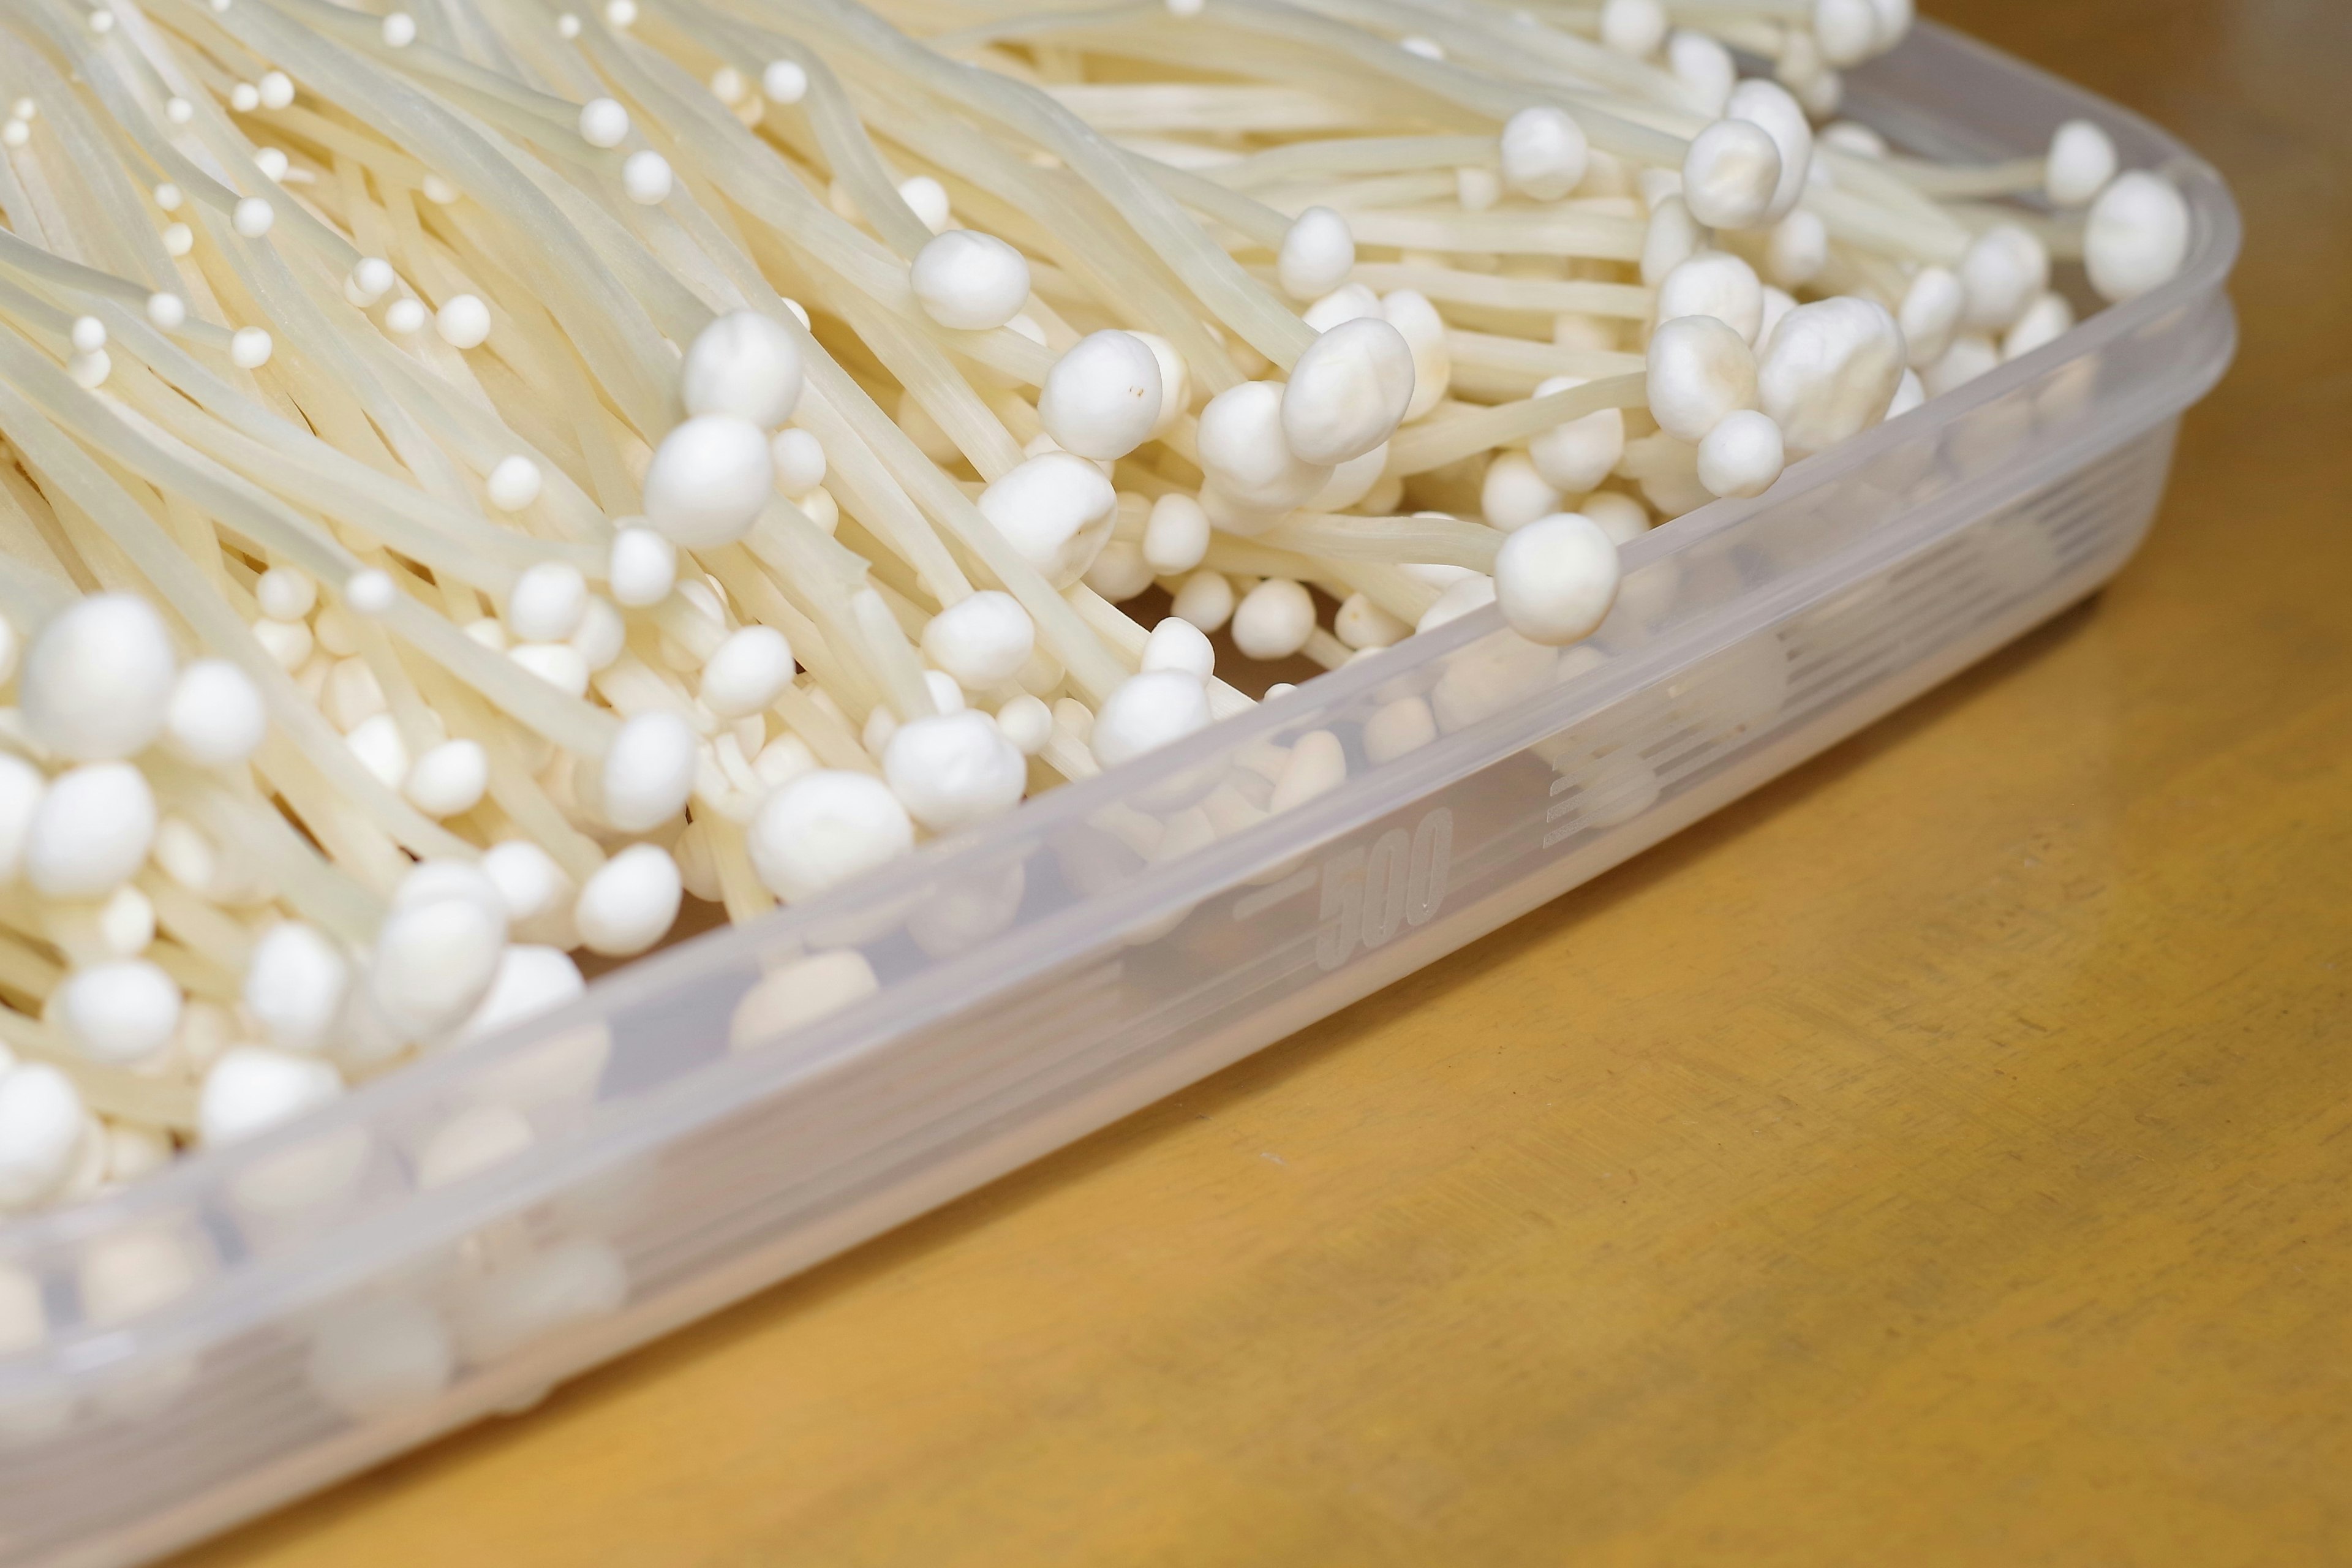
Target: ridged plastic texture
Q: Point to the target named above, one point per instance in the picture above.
(262, 1320)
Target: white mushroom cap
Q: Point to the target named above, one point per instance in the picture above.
(217, 718)
(1317, 254)
(1101, 399)
(953, 770)
(1847, 30)
(649, 772)
(2081, 161)
(531, 980)
(1205, 599)
(97, 682)
(748, 672)
(1700, 370)
(529, 881)
(1833, 369)
(1514, 492)
(121, 1013)
(1176, 644)
(1412, 314)
(604, 122)
(1577, 454)
(91, 832)
(1347, 392)
(1472, 593)
(1273, 619)
(295, 986)
(1742, 455)
(800, 460)
(1360, 623)
(1544, 153)
(927, 200)
(1351, 481)
(1731, 175)
(546, 603)
(980, 641)
(970, 281)
(1175, 380)
(252, 1088)
(1636, 27)
(709, 479)
(1247, 454)
(1177, 535)
(1057, 510)
(431, 962)
(448, 779)
(630, 903)
(643, 566)
(1931, 314)
(1027, 723)
(2138, 237)
(2005, 270)
(1895, 19)
(646, 177)
(1798, 250)
(1147, 712)
(1715, 283)
(1704, 66)
(823, 828)
(744, 365)
(1768, 104)
(42, 1125)
(1345, 303)
(1556, 579)
(783, 82)
(463, 321)
(2046, 320)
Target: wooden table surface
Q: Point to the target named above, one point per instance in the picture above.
(1944, 1156)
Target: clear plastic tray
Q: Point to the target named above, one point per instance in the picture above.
(259, 1321)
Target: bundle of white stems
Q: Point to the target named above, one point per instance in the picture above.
(473, 478)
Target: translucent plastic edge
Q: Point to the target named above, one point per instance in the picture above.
(244, 1294)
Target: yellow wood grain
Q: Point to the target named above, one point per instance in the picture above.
(1943, 1157)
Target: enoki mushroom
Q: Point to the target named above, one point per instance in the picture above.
(474, 478)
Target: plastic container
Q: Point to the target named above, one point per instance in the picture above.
(262, 1321)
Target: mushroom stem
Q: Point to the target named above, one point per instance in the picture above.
(1434, 539)
(1434, 444)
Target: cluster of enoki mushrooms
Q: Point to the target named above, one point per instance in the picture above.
(474, 475)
